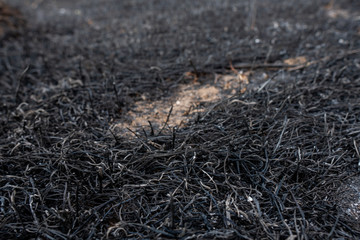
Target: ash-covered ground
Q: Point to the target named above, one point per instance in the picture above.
(179, 119)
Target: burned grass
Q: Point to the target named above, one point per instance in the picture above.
(276, 161)
(266, 164)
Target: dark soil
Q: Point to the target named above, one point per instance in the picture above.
(277, 157)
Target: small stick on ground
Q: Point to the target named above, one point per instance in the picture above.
(167, 120)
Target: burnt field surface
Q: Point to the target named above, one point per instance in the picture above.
(208, 119)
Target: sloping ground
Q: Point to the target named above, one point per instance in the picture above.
(276, 157)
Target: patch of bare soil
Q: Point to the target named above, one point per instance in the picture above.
(208, 119)
(189, 101)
